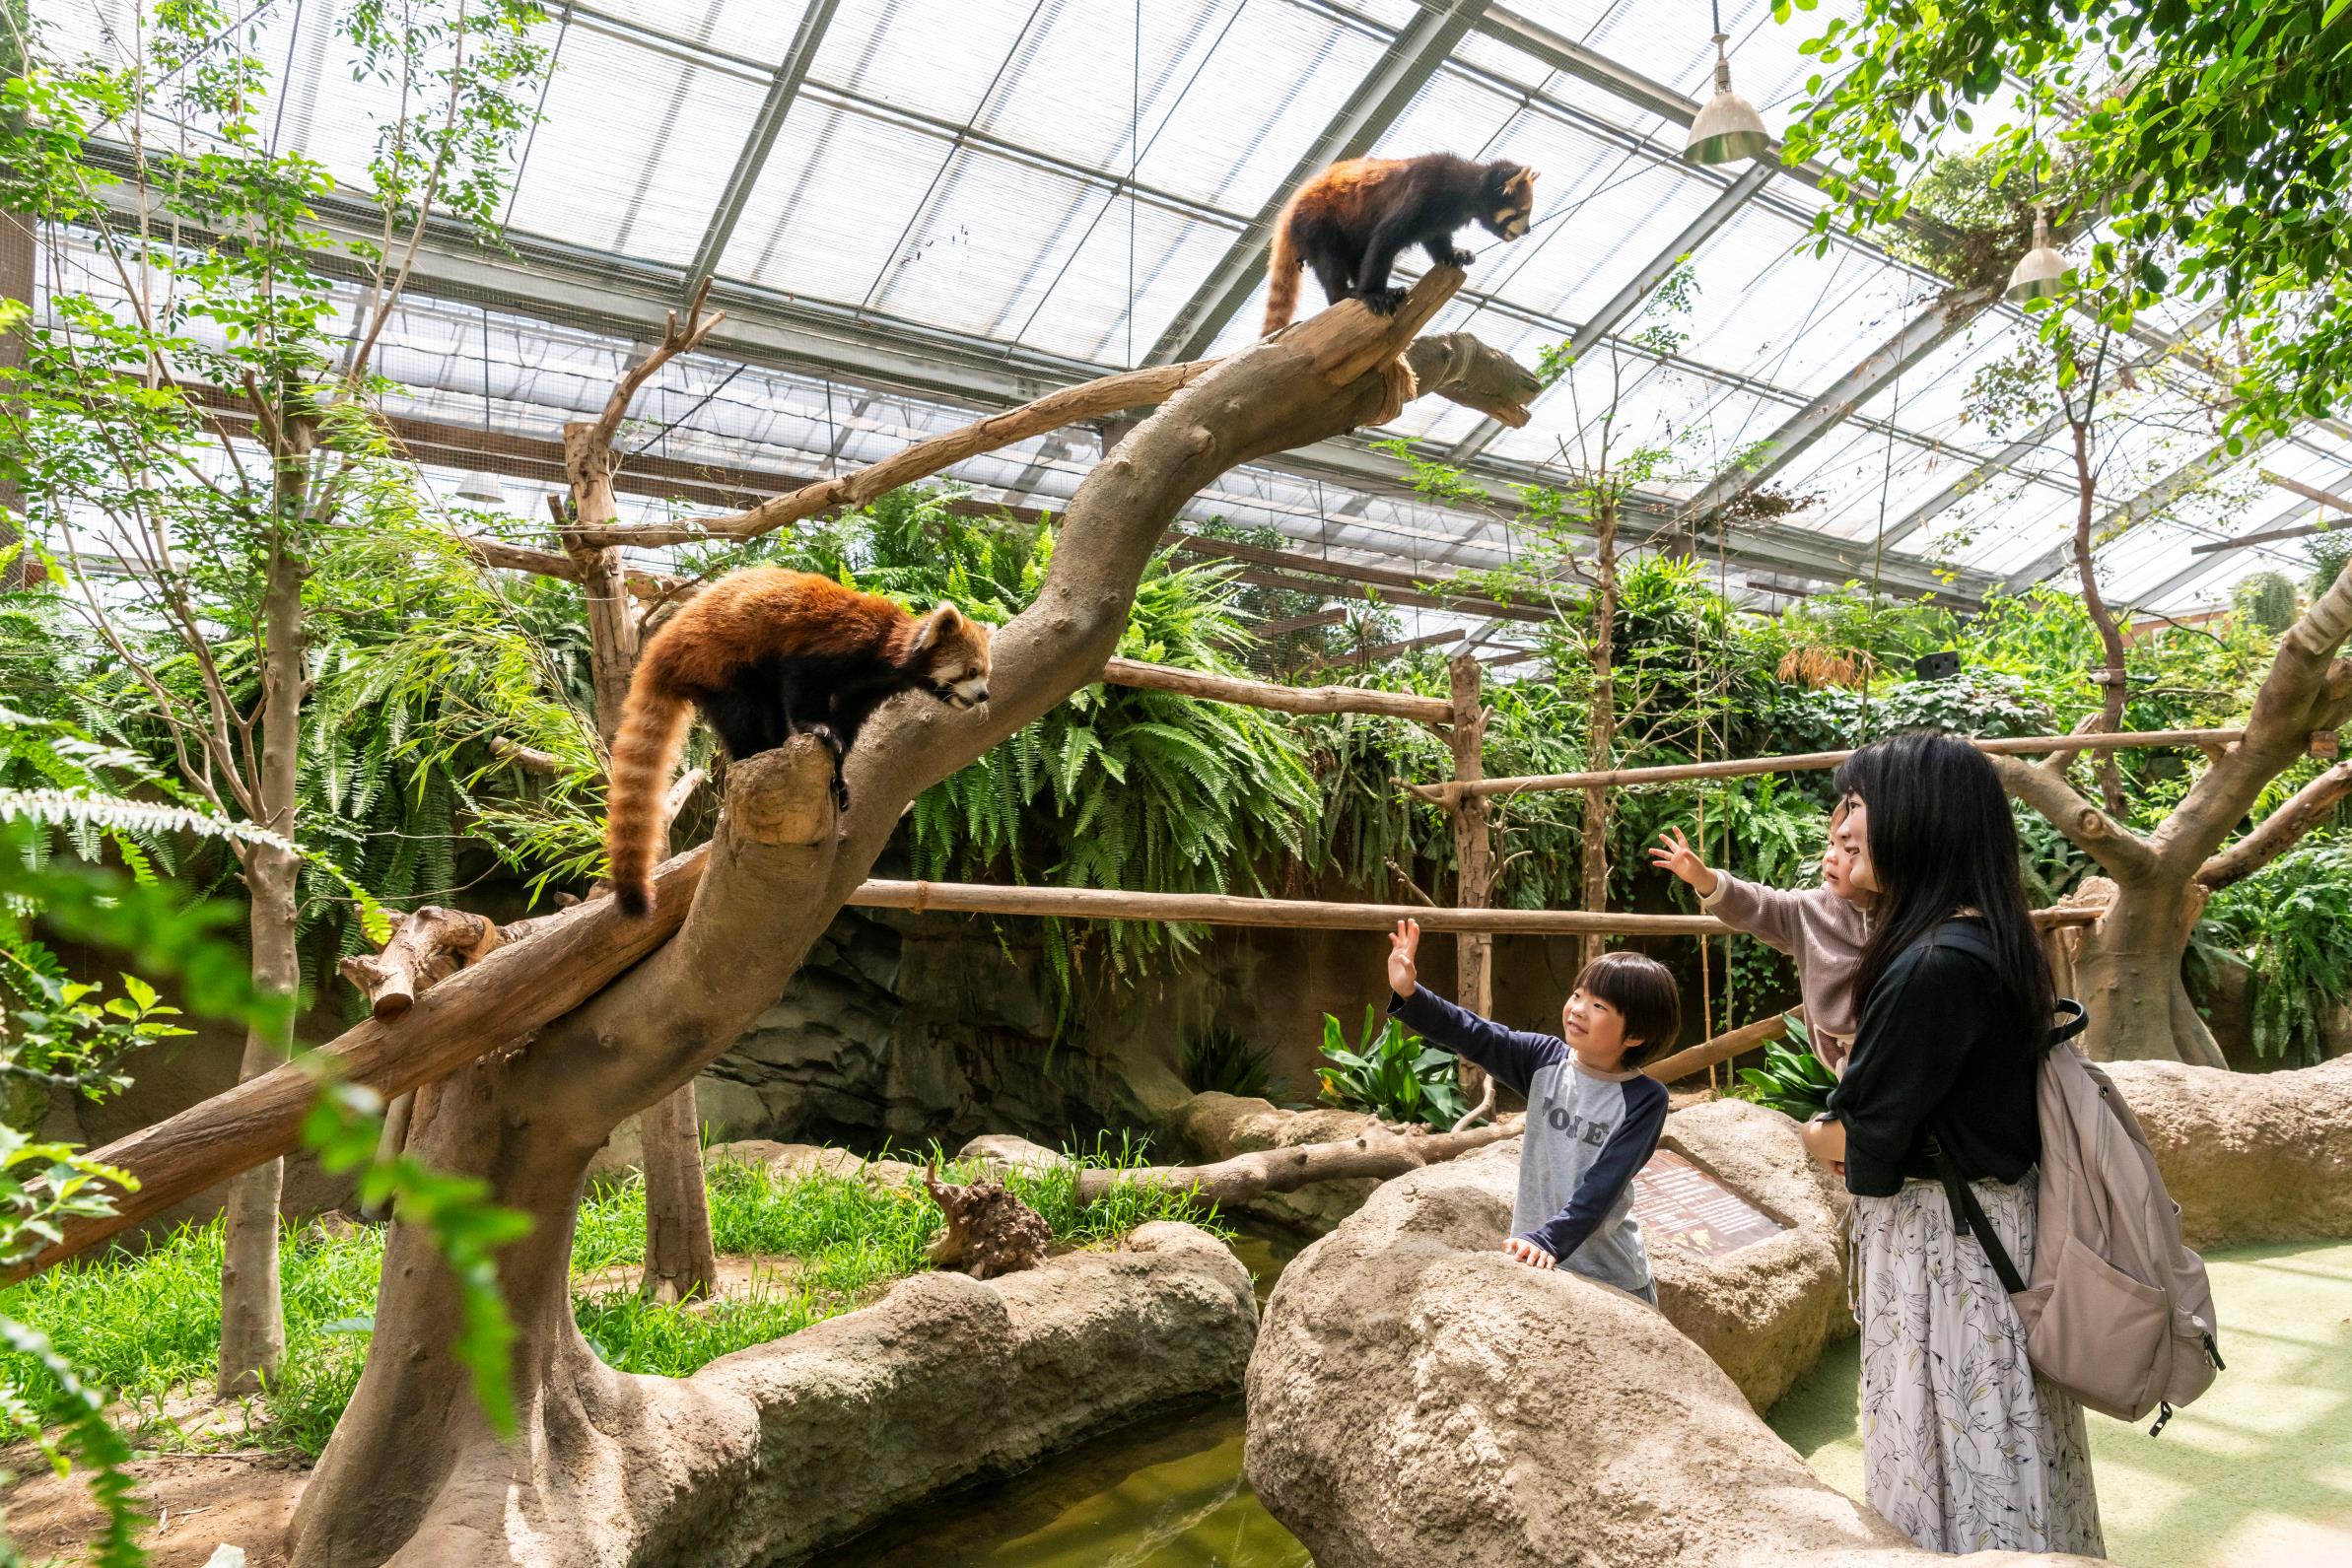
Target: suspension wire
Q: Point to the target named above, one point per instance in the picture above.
(1134, 153)
(1878, 554)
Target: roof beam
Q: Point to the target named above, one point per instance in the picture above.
(2148, 503)
(1410, 59)
(782, 88)
(1623, 304)
(627, 299)
(2023, 447)
(1923, 333)
(2202, 566)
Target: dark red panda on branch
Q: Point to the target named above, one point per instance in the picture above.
(1352, 221)
(767, 655)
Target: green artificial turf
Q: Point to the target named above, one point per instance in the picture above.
(2257, 1472)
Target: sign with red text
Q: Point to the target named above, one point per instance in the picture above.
(1680, 1205)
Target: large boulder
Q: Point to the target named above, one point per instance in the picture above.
(1418, 1399)
(1765, 1311)
(2250, 1157)
(768, 1454)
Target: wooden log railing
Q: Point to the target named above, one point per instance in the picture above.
(1280, 699)
(1812, 762)
(522, 985)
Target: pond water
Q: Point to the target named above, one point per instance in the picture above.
(1164, 1492)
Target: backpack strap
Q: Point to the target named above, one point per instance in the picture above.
(2072, 1020)
(1965, 1210)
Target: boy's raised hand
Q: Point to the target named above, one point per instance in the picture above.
(1402, 977)
(1672, 853)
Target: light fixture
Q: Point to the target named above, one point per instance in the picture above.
(1728, 129)
(2039, 270)
(482, 487)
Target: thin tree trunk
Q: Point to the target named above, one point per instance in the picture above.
(680, 1260)
(2110, 636)
(1474, 863)
(1602, 725)
(253, 1317)
(2127, 977)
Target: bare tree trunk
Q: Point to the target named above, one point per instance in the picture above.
(1603, 723)
(411, 1475)
(680, 1260)
(17, 254)
(252, 1314)
(2127, 977)
(2110, 636)
(1474, 863)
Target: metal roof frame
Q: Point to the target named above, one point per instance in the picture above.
(782, 91)
(2131, 514)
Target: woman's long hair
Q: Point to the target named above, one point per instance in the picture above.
(1941, 838)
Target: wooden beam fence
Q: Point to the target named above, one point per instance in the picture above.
(1811, 762)
(1311, 915)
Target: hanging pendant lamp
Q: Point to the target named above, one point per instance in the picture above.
(2039, 270)
(1728, 129)
(482, 487)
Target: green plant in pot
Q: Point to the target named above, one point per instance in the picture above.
(1792, 1079)
(1390, 1073)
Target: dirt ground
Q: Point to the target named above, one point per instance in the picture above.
(198, 1501)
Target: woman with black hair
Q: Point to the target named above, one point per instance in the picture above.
(1964, 1448)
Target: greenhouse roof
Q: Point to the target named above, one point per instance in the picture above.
(914, 209)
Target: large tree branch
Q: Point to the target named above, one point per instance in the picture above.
(2280, 830)
(2090, 830)
(740, 942)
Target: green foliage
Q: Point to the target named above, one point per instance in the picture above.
(2328, 553)
(2267, 599)
(2291, 924)
(2206, 139)
(1220, 1060)
(1390, 1073)
(1792, 1081)
(150, 1325)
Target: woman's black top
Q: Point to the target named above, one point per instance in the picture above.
(1943, 1050)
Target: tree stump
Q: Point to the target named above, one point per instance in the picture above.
(989, 1229)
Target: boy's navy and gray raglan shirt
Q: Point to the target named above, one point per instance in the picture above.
(1587, 1133)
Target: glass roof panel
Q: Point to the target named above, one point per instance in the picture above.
(990, 239)
(755, 29)
(633, 150)
(1083, 311)
(818, 222)
(944, 59)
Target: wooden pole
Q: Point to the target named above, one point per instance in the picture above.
(1223, 909)
(1280, 699)
(1474, 863)
(1724, 1047)
(1815, 761)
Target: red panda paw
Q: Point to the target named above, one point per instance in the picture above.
(1383, 301)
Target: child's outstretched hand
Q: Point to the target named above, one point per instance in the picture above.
(1403, 978)
(1529, 1252)
(1672, 853)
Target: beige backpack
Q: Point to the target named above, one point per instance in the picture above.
(2118, 1313)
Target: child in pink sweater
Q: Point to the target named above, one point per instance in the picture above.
(1823, 928)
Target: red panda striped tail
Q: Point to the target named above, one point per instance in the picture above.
(1282, 279)
(653, 730)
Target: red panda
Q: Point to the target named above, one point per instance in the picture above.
(765, 654)
(1352, 221)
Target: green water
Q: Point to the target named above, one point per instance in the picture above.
(1165, 1492)
(2258, 1471)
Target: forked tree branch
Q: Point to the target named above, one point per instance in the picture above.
(675, 340)
(2116, 849)
(2280, 830)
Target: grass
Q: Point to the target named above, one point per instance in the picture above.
(148, 1327)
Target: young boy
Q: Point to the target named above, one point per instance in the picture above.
(1592, 1118)
(1823, 928)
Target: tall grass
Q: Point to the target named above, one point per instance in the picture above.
(149, 1327)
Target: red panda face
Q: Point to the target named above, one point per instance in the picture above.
(1514, 202)
(953, 648)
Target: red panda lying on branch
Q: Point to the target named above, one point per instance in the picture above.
(1352, 221)
(766, 654)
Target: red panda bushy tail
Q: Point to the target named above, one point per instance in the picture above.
(653, 729)
(1282, 278)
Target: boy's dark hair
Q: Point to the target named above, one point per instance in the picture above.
(1644, 993)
